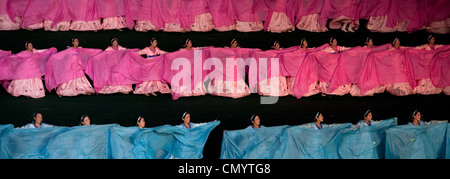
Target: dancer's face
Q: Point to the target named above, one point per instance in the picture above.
(86, 121)
(76, 43)
(141, 123)
(319, 118)
(115, 43)
(368, 117)
(38, 118)
(256, 121)
(187, 118)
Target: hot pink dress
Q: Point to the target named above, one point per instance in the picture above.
(77, 86)
(116, 89)
(425, 86)
(399, 89)
(156, 85)
(199, 89)
(323, 86)
(33, 87)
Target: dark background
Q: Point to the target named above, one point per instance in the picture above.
(233, 113)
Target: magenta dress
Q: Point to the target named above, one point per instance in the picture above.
(31, 87)
(323, 86)
(119, 88)
(425, 86)
(152, 86)
(66, 71)
(399, 89)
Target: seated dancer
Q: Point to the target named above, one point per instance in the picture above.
(150, 87)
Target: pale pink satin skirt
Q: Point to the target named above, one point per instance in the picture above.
(379, 24)
(199, 90)
(60, 26)
(7, 24)
(356, 91)
(311, 23)
(116, 89)
(144, 26)
(33, 88)
(399, 89)
(249, 26)
(151, 87)
(79, 86)
(232, 89)
(446, 90)
(439, 27)
(426, 87)
(340, 91)
(86, 26)
(110, 23)
(276, 86)
(290, 85)
(279, 22)
(203, 23)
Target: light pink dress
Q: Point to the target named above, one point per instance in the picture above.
(33, 88)
(151, 86)
(107, 89)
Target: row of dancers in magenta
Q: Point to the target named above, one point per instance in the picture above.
(273, 16)
(34, 87)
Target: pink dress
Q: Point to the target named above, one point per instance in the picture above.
(144, 26)
(151, 86)
(323, 86)
(279, 22)
(107, 89)
(425, 86)
(199, 89)
(7, 24)
(399, 89)
(110, 23)
(75, 87)
(33, 87)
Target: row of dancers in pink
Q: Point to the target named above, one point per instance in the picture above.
(34, 87)
(206, 15)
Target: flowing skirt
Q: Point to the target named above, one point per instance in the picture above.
(151, 87)
(75, 87)
(125, 89)
(33, 88)
(232, 89)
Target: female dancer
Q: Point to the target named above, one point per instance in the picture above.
(155, 85)
(79, 85)
(140, 122)
(33, 87)
(334, 47)
(85, 120)
(125, 89)
(37, 123)
(115, 45)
